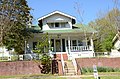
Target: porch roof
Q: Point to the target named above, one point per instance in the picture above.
(70, 31)
(79, 29)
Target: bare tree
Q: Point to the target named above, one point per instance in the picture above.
(80, 13)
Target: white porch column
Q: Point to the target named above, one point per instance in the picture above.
(54, 45)
(61, 45)
(25, 47)
(49, 44)
(92, 45)
(69, 45)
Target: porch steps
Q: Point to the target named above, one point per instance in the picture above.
(69, 68)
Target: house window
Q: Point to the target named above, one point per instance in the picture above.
(51, 25)
(67, 42)
(34, 45)
(74, 42)
(57, 24)
(80, 43)
(63, 25)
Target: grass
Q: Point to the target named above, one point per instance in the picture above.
(103, 77)
(104, 73)
(99, 69)
(41, 76)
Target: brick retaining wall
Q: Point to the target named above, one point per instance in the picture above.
(89, 62)
(19, 68)
(65, 57)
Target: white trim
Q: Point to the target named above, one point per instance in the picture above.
(116, 36)
(69, 44)
(55, 45)
(58, 13)
(59, 52)
(92, 45)
(49, 41)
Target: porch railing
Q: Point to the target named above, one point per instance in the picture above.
(80, 48)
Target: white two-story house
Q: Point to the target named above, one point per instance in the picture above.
(68, 38)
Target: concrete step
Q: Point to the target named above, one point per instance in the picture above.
(70, 74)
(69, 70)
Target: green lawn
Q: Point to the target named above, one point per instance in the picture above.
(41, 76)
(103, 77)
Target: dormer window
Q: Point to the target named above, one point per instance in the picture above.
(57, 25)
(51, 25)
(63, 25)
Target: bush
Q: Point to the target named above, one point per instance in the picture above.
(46, 62)
(3, 58)
(86, 70)
(99, 69)
(14, 58)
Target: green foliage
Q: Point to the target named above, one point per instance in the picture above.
(99, 69)
(108, 76)
(46, 62)
(42, 45)
(105, 69)
(107, 42)
(107, 28)
(16, 40)
(86, 70)
(15, 16)
(43, 49)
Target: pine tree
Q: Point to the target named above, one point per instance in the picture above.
(14, 18)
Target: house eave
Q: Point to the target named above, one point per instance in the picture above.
(115, 38)
(55, 12)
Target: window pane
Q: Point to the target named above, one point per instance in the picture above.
(34, 45)
(74, 42)
(80, 43)
(67, 42)
(56, 24)
(51, 25)
(62, 24)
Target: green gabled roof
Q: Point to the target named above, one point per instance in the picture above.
(35, 29)
(84, 27)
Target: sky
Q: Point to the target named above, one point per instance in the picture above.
(90, 9)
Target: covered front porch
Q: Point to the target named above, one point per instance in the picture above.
(73, 45)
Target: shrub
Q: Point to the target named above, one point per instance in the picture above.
(46, 62)
(99, 69)
(86, 70)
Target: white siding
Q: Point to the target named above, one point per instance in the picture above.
(57, 18)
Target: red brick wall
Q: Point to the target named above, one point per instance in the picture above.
(89, 62)
(65, 57)
(19, 68)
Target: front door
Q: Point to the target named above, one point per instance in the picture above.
(58, 45)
